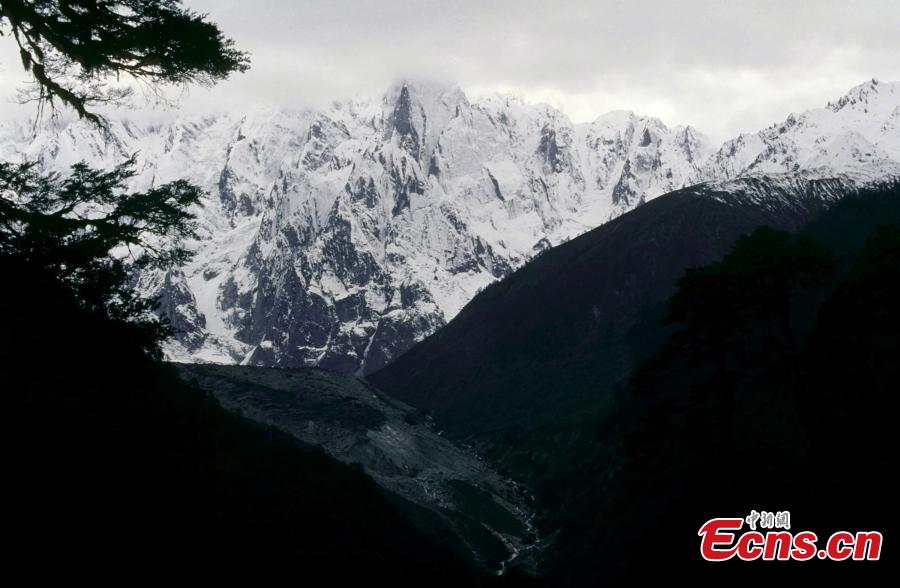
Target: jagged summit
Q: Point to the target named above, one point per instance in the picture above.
(860, 96)
(416, 113)
(342, 237)
(856, 134)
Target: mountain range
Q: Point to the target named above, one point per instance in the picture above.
(533, 358)
(340, 238)
(505, 281)
(678, 362)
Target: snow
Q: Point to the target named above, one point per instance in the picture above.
(333, 212)
(857, 133)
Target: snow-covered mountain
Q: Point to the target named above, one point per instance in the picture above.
(857, 135)
(340, 238)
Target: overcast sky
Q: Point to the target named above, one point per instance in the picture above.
(722, 66)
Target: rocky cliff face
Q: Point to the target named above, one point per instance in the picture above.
(341, 238)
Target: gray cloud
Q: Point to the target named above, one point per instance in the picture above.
(724, 67)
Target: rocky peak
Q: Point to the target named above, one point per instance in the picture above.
(416, 113)
(402, 123)
(858, 96)
(854, 134)
(341, 238)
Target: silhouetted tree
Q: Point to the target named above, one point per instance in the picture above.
(71, 226)
(73, 48)
(747, 294)
(777, 386)
(855, 350)
(84, 227)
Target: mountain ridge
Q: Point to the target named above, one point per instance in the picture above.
(607, 291)
(340, 238)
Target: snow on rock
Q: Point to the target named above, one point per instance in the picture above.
(857, 134)
(341, 238)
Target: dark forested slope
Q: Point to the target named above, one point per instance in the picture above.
(776, 390)
(115, 469)
(640, 400)
(541, 350)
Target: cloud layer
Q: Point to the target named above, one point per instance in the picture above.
(724, 67)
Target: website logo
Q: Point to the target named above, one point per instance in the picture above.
(768, 537)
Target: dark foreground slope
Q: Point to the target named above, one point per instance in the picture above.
(770, 386)
(539, 352)
(776, 391)
(483, 515)
(113, 469)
